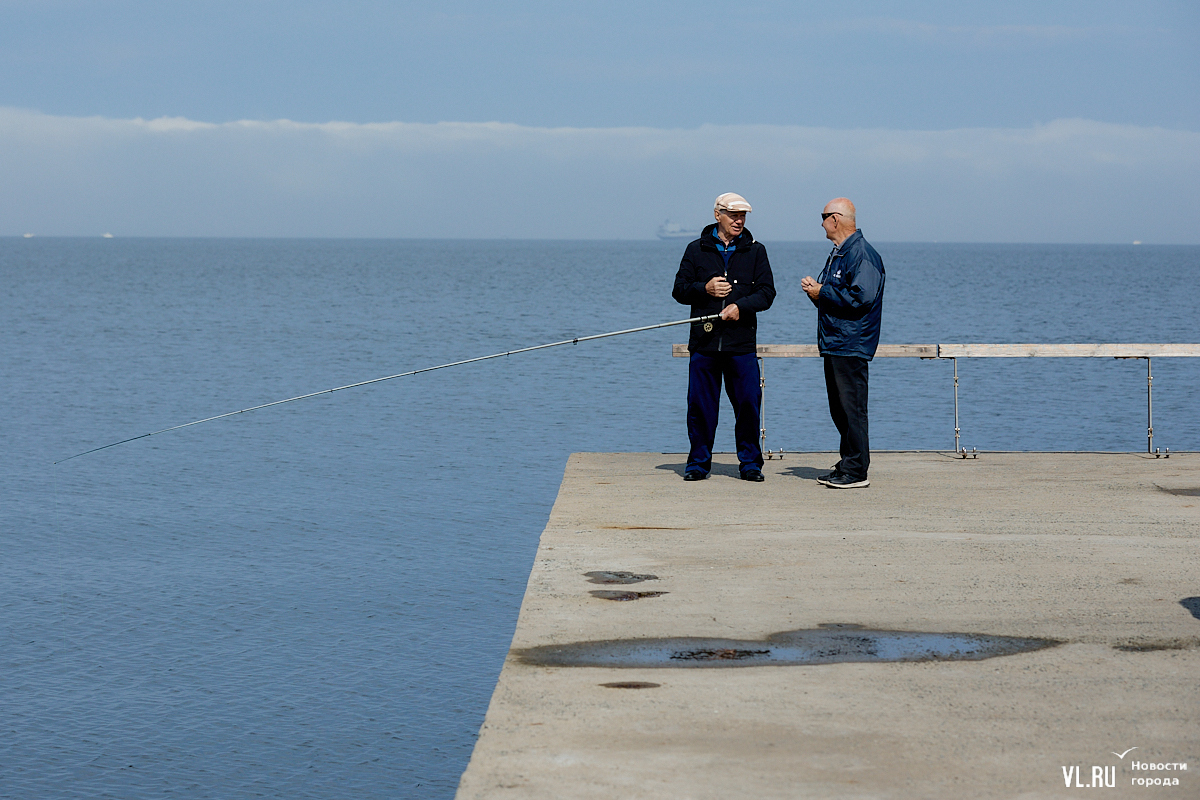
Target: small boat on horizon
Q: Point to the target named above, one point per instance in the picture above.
(107, 236)
(29, 236)
(673, 230)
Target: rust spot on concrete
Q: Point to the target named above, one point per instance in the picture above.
(640, 528)
(1154, 645)
(623, 596)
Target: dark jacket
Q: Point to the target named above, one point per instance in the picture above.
(749, 273)
(850, 304)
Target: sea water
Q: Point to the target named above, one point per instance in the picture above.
(315, 600)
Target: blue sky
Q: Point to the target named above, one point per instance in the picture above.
(943, 121)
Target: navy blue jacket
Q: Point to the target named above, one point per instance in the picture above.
(749, 273)
(850, 304)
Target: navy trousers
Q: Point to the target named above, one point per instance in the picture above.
(846, 385)
(741, 377)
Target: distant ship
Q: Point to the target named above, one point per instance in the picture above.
(29, 236)
(107, 235)
(673, 230)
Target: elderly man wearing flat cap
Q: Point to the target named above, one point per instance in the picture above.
(724, 272)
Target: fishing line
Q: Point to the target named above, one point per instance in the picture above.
(707, 320)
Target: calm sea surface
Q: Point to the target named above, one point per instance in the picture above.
(314, 601)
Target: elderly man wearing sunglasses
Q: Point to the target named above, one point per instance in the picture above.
(849, 301)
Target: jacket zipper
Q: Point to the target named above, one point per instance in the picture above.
(721, 336)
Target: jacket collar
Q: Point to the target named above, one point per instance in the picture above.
(744, 239)
(841, 248)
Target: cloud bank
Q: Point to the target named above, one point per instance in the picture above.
(1065, 181)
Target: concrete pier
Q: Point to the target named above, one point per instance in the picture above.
(1096, 552)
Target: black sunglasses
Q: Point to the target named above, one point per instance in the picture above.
(827, 215)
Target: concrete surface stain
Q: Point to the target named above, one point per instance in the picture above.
(631, 685)
(833, 644)
(617, 577)
(1157, 645)
(1183, 492)
(623, 596)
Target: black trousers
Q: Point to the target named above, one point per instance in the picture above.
(846, 385)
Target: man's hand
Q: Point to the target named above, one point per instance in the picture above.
(810, 287)
(718, 287)
(731, 313)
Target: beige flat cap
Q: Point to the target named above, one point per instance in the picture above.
(732, 202)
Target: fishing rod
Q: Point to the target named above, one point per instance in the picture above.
(706, 319)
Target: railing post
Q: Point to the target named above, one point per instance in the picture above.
(762, 406)
(1149, 408)
(956, 447)
(762, 412)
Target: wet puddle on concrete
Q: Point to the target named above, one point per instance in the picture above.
(827, 644)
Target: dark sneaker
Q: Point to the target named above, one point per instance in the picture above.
(694, 475)
(753, 475)
(844, 481)
(828, 476)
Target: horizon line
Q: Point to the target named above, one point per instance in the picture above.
(270, 237)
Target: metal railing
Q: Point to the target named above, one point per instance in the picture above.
(953, 352)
